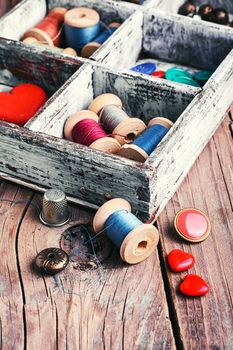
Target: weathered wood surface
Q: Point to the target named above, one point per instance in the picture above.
(117, 306)
(147, 98)
(30, 12)
(206, 322)
(179, 149)
(18, 64)
(107, 306)
(183, 40)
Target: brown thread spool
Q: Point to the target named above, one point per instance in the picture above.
(48, 30)
(35, 42)
(136, 153)
(128, 129)
(105, 144)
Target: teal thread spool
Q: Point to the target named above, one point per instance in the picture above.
(92, 46)
(81, 25)
(145, 144)
(136, 240)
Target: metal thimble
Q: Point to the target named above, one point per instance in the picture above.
(54, 208)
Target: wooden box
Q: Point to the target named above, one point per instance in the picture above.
(30, 12)
(38, 155)
(169, 39)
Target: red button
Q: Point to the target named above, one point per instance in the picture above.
(193, 286)
(159, 74)
(192, 225)
(179, 260)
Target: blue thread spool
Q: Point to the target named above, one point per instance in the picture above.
(81, 25)
(145, 143)
(92, 46)
(136, 240)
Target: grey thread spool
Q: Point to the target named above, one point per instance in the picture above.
(54, 208)
(119, 124)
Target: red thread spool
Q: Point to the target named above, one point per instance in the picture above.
(48, 30)
(83, 128)
(87, 131)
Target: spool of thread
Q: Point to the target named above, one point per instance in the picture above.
(35, 42)
(92, 46)
(145, 144)
(136, 240)
(115, 121)
(81, 26)
(49, 29)
(83, 128)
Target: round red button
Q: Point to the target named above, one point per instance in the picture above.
(192, 225)
(159, 74)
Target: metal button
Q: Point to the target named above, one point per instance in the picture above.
(51, 260)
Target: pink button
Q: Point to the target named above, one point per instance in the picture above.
(192, 224)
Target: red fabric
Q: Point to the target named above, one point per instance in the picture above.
(21, 103)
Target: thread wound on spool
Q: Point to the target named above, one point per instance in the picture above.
(119, 224)
(135, 239)
(119, 124)
(87, 131)
(81, 26)
(49, 29)
(111, 116)
(150, 138)
(92, 46)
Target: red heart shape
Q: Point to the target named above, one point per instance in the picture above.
(193, 285)
(21, 103)
(179, 260)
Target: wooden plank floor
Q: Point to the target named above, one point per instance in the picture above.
(111, 305)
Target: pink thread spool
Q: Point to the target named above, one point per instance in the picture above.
(90, 131)
(127, 129)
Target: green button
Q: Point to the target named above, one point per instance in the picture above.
(186, 80)
(202, 76)
(175, 72)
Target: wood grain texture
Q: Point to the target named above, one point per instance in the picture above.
(23, 16)
(76, 169)
(206, 322)
(19, 64)
(80, 308)
(141, 96)
(13, 203)
(208, 106)
(182, 40)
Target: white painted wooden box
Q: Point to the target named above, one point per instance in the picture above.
(38, 155)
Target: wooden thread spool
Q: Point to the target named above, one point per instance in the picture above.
(81, 26)
(137, 244)
(124, 132)
(137, 153)
(105, 144)
(48, 30)
(35, 42)
(92, 46)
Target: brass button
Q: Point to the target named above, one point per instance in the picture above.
(51, 260)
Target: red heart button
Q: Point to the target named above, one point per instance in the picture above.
(179, 260)
(192, 225)
(193, 285)
(21, 103)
